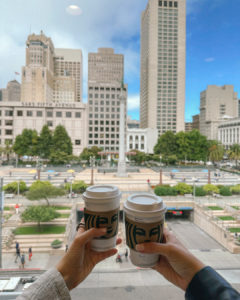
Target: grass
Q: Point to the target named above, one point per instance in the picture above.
(62, 207)
(215, 207)
(45, 229)
(6, 217)
(6, 208)
(235, 207)
(227, 218)
(64, 216)
(234, 229)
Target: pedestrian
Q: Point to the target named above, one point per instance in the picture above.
(23, 261)
(18, 254)
(30, 254)
(65, 180)
(104, 172)
(126, 254)
(17, 208)
(66, 248)
(10, 173)
(17, 245)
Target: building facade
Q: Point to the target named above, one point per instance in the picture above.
(105, 83)
(142, 139)
(51, 74)
(132, 123)
(229, 132)
(12, 92)
(188, 126)
(16, 116)
(196, 122)
(216, 103)
(163, 51)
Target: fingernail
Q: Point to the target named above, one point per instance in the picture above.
(139, 247)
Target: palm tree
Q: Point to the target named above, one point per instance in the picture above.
(234, 153)
(216, 152)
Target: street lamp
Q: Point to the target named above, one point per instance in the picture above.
(160, 179)
(92, 162)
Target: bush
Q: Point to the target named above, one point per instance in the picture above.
(12, 188)
(183, 188)
(225, 191)
(77, 187)
(211, 189)
(165, 190)
(199, 192)
(56, 242)
(235, 189)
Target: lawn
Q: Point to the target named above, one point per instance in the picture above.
(45, 229)
(64, 216)
(234, 229)
(6, 208)
(62, 207)
(235, 207)
(227, 218)
(215, 207)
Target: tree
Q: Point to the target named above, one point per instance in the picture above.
(8, 149)
(61, 140)
(26, 143)
(45, 143)
(182, 141)
(216, 152)
(166, 145)
(87, 153)
(59, 157)
(139, 157)
(198, 146)
(39, 214)
(77, 187)
(12, 188)
(43, 190)
(234, 153)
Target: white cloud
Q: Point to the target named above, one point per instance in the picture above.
(133, 102)
(74, 10)
(209, 59)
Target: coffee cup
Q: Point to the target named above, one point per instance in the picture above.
(102, 204)
(144, 221)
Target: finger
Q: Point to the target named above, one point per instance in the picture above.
(153, 248)
(88, 235)
(103, 255)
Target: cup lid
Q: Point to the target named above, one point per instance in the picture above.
(146, 204)
(101, 191)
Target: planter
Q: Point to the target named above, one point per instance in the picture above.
(56, 244)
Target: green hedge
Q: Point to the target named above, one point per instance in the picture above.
(211, 189)
(199, 191)
(183, 188)
(225, 191)
(165, 190)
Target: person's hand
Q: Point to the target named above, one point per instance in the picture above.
(80, 259)
(176, 263)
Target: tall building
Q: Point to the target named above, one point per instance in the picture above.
(105, 78)
(188, 126)
(163, 51)
(195, 122)
(51, 74)
(38, 74)
(216, 103)
(12, 92)
(68, 68)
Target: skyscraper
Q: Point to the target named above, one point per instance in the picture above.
(163, 50)
(105, 76)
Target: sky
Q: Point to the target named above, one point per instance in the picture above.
(213, 39)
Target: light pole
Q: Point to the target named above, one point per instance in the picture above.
(160, 179)
(92, 162)
(209, 176)
(38, 167)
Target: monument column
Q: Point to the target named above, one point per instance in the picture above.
(122, 146)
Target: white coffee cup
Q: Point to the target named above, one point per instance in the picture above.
(102, 204)
(144, 222)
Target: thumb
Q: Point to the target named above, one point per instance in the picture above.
(158, 248)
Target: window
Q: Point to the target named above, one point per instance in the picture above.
(49, 114)
(19, 113)
(175, 4)
(39, 113)
(49, 123)
(9, 122)
(8, 132)
(58, 114)
(8, 113)
(29, 113)
(165, 3)
(77, 142)
(68, 114)
(159, 3)
(78, 115)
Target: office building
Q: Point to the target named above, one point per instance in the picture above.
(163, 51)
(216, 104)
(12, 92)
(105, 78)
(16, 116)
(195, 122)
(229, 132)
(188, 126)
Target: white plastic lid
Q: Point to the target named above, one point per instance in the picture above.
(147, 205)
(101, 192)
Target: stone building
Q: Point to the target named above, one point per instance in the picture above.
(142, 139)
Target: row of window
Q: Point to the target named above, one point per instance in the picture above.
(136, 138)
(96, 122)
(101, 116)
(39, 113)
(101, 109)
(104, 89)
(96, 142)
(101, 136)
(167, 3)
(113, 129)
(131, 146)
(113, 103)
(102, 96)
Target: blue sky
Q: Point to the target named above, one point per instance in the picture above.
(213, 39)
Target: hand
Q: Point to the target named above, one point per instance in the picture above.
(80, 259)
(176, 263)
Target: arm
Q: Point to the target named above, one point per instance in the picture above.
(184, 270)
(73, 268)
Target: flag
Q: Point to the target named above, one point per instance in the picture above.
(16, 73)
